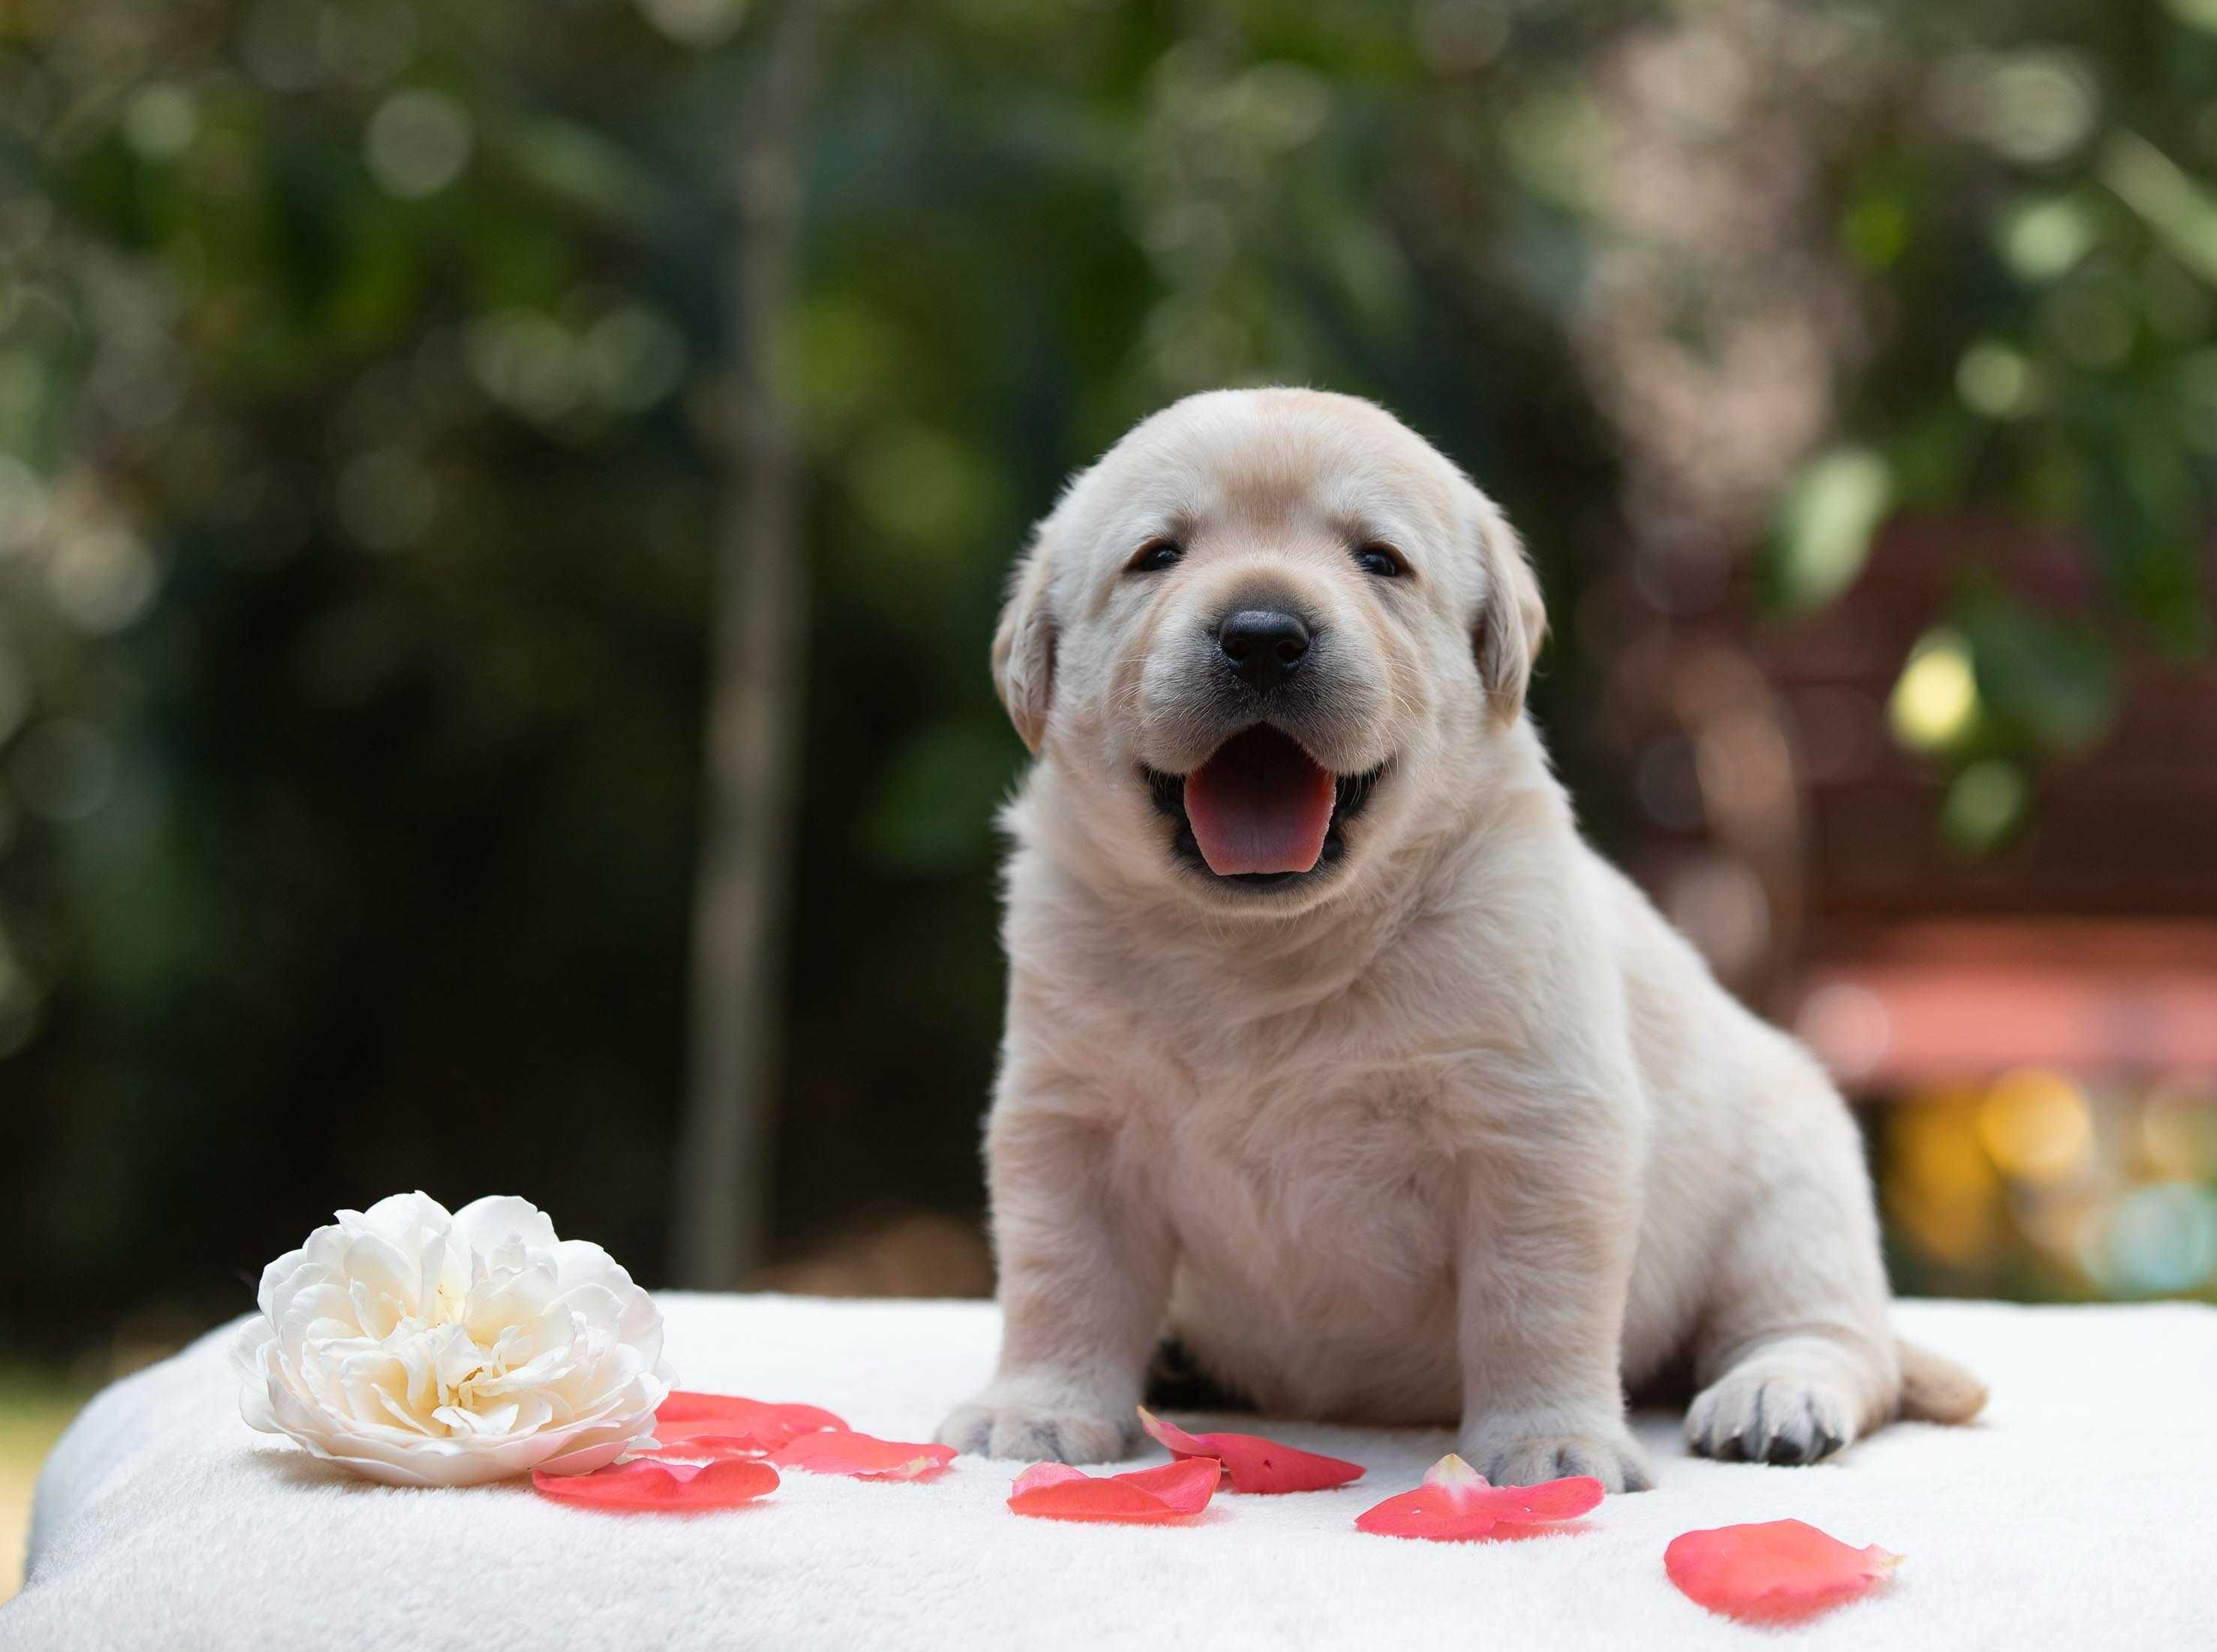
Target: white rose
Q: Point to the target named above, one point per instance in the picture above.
(424, 1349)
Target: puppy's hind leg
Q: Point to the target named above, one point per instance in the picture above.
(1796, 1357)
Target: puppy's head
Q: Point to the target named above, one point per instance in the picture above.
(1268, 633)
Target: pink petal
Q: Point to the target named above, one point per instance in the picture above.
(863, 1456)
(1185, 1487)
(1424, 1512)
(1143, 1497)
(660, 1487)
(1044, 1474)
(728, 1418)
(1775, 1572)
(704, 1442)
(1255, 1465)
(1455, 1504)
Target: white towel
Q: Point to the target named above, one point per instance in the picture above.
(2080, 1512)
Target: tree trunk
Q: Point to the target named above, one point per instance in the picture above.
(722, 1172)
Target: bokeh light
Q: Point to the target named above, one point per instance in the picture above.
(1942, 1191)
(1935, 703)
(2035, 1125)
(1983, 804)
(695, 22)
(2159, 1241)
(417, 143)
(1827, 521)
(1997, 380)
(2043, 239)
(2044, 1184)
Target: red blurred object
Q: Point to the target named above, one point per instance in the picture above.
(1940, 1003)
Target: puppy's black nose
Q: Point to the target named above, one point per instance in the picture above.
(1264, 645)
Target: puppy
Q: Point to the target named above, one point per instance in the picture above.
(1332, 1047)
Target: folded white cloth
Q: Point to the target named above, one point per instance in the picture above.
(2079, 1512)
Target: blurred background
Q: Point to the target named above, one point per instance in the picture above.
(502, 504)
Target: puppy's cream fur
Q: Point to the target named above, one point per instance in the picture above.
(1457, 1128)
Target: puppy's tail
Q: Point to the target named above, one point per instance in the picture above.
(1935, 1389)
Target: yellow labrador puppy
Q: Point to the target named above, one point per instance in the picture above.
(1331, 1047)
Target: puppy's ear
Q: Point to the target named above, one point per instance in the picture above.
(1023, 646)
(1512, 620)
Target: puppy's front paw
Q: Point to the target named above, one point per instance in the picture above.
(1031, 1421)
(1511, 1453)
(1769, 1413)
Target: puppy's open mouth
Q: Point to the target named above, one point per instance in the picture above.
(1260, 810)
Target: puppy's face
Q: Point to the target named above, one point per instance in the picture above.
(1270, 633)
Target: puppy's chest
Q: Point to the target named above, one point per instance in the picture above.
(1290, 1163)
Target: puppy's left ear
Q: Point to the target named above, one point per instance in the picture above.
(1024, 646)
(1512, 620)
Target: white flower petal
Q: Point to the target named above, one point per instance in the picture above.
(420, 1349)
(584, 1263)
(483, 1223)
(404, 1216)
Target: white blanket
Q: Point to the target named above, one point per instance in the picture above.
(2080, 1512)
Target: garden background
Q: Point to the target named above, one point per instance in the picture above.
(502, 504)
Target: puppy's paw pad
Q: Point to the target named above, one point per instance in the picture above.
(1757, 1415)
(1615, 1460)
(1034, 1435)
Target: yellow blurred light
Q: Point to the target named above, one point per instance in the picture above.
(1937, 700)
(1941, 1189)
(2036, 1126)
(1936, 1146)
(1957, 1232)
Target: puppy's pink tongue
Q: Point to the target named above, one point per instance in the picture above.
(1260, 805)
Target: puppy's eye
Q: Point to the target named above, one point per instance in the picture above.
(1155, 556)
(1380, 561)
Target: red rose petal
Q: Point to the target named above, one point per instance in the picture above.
(1044, 1474)
(693, 1427)
(1186, 1490)
(863, 1456)
(1455, 1504)
(703, 1443)
(681, 1405)
(1772, 1573)
(1255, 1465)
(733, 1421)
(1143, 1497)
(666, 1488)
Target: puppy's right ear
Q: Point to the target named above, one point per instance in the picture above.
(1023, 646)
(1513, 624)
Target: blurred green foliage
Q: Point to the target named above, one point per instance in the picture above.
(361, 393)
